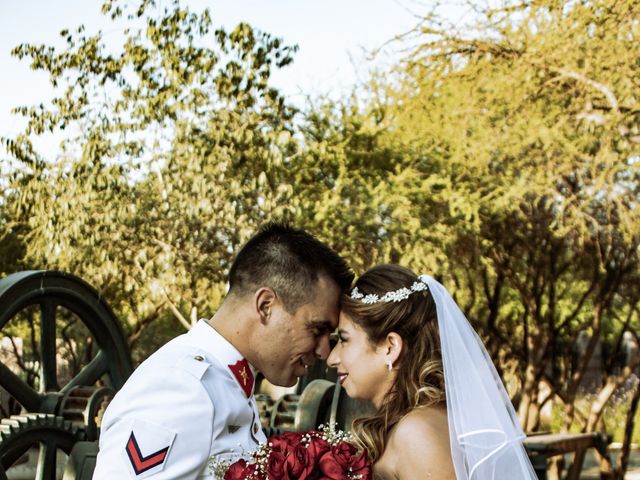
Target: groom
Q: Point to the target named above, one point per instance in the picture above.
(192, 400)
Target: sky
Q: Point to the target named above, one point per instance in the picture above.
(333, 36)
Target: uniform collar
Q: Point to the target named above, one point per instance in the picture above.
(206, 337)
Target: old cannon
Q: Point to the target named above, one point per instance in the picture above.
(47, 405)
(51, 408)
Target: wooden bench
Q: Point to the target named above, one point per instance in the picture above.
(545, 446)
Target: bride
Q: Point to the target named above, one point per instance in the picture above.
(442, 411)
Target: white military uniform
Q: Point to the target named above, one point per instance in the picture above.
(190, 401)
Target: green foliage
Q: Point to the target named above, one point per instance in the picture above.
(177, 153)
(528, 123)
(613, 420)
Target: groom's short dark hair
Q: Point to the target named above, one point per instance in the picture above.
(288, 260)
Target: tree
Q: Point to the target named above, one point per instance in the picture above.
(531, 121)
(177, 145)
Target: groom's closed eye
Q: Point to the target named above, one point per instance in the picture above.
(320, 327)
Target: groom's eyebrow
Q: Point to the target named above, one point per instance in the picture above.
(323, 326)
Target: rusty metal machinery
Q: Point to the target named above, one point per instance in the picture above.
(84, 406)
(57, 412)
(321, 402)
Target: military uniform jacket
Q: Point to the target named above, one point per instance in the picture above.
(189, 402)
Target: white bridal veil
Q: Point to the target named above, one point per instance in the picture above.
(485, 436)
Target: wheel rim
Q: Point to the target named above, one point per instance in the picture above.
(51, 292)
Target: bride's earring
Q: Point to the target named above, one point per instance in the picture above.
(389, 365)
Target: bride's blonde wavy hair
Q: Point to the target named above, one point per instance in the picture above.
(420, 377)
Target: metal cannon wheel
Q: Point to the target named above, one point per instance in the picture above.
(49, 434)
(298, 413)
(48, 294)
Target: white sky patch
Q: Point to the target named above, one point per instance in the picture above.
(333, 36)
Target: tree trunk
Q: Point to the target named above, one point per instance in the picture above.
(623, 463)
(528, 396)
(569, 413)
(533, 417)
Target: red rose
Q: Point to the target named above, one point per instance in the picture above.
(297, 464)
(250, 471)
(343, 453)
(360, 465)
(292, 438)
(275, 465)
(317, 447)
(331, 468)
(236, 470)
(277, 443)
(336, 464)
(285, 442)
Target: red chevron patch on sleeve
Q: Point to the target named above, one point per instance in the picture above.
(141, 463)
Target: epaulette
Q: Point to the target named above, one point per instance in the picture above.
(195, 363)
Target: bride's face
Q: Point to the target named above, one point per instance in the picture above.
(362, 371)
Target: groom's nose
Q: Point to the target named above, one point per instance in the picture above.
(323, 348)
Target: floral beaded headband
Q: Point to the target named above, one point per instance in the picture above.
(394, 296)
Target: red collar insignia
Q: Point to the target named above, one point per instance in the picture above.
(243, 375)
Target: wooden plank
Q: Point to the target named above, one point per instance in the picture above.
(560, 443)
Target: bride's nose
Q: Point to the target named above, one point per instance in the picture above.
(333, 360)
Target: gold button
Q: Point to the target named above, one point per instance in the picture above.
(255, 428)
(198, 358)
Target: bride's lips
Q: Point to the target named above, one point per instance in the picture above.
(342, 377)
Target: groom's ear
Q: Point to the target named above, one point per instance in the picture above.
(393, 346)
(264, 299)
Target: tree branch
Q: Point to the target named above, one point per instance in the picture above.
(601, 87)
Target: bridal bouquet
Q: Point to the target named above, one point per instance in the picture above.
(323, 454)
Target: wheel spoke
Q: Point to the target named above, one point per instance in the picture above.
(47, 461)
(18, 389)
(48, 346)
(90, 373)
